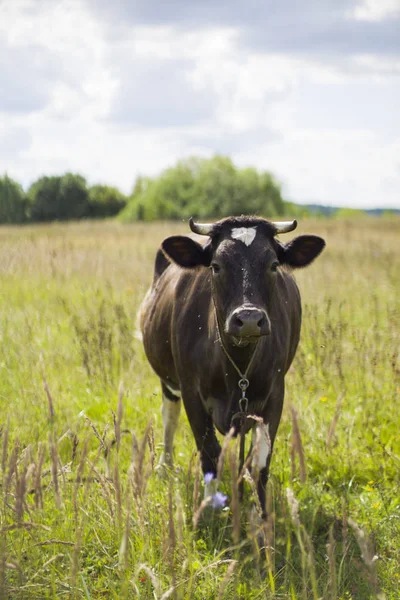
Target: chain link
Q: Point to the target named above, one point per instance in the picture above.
(243, 383)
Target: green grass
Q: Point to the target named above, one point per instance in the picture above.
(82, 512)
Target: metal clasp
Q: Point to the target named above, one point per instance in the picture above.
(244, 401)
(243, 384)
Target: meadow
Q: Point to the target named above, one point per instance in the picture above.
(82, 511)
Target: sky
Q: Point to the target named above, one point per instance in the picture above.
(113, 89)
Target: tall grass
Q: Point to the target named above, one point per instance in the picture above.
(82, 511)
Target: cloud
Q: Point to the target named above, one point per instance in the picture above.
(352, 168)
(25, 75)
(158, 93)
(327, 27)
(13, 141)
(114, 89)
(375, 10)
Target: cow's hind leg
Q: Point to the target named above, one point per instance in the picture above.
(171, 408)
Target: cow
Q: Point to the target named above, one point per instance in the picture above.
(224, 308)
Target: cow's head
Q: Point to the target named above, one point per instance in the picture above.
(245, 260)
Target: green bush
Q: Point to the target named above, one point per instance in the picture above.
(204, 188)
(12, 201)
(105, 201)
(58, 198)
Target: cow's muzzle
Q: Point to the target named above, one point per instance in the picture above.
(248, 323)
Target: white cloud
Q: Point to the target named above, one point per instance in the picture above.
(355, 168)
(113, 98)
(375, 10)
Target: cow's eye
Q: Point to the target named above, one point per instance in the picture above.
(215, 267)
(274, 266)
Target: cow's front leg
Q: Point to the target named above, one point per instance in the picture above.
(206, 442)
(263, 437)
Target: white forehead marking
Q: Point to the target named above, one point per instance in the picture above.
(244, 234)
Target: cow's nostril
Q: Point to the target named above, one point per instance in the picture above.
(238, 322)
(261, 323)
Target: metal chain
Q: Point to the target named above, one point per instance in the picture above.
(243, 384)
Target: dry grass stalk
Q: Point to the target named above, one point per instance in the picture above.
(335, 419)
(37, 480)
(47, 390)
(132, 471)
(151, 575)
(309, 550)
(63, 436)
(20, 492)
(225, 581)
(293, 506)
(117, 490)
(221, 458)
(199, 511)
(141, 477)
(79, 473)
(171, 542)
(254, 451)
(12, 465)
(269, 529)
(24, 525)
(75, 444)
(104, 486)
(235, 496)
(180, 521)
(297, 447)
(118, 417)
(189, 475)
(54, 472)
(3, 590)
(96, 433)
(152, 447)
(79, 527)
(196, 487)
(15, 565)
(367, 552)
(47, 563)
(345, 529)
(4, 454)
(330, 547)
(51, 542)
(123, 557)
(168, 593)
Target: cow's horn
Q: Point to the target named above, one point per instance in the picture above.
(285, 226)
(201, 228)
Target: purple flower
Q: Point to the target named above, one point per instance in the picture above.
(218, 500)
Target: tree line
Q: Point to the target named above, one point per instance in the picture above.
(57, 198)
(197, 187)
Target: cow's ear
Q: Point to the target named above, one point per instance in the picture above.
(185, 252)
(300, 251)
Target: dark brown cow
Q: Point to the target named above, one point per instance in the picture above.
(216, 309)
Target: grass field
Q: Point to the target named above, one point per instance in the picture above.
(82, 512)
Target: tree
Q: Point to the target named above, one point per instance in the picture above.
(105, 201)
(59, 198)
(204, 188)
(12, 201)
